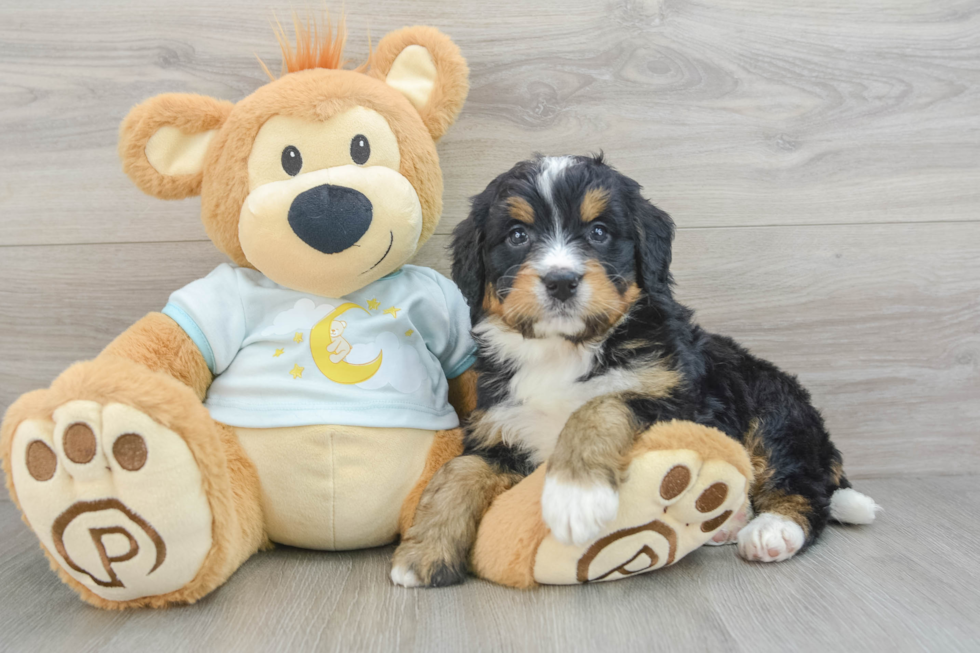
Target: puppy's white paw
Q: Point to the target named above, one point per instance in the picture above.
(577, 514)
(770, 538)
(404, 576)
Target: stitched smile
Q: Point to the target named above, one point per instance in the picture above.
(391, 242)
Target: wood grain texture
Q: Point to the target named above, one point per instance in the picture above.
(821, 163)
(750, 113)
(879, 321)
(906, 583)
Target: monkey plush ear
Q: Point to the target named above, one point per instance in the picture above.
(427, 68)
(163, 141)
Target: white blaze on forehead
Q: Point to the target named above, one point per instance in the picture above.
(559, 255)
(552, 168)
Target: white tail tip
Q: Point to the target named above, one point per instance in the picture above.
(849, 506)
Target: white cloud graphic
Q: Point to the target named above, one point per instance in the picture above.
(400, 368)
(300, 317)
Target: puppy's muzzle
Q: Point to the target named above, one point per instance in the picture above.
(330, 218)
(562, 284)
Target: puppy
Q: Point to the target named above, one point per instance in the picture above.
(566, 268)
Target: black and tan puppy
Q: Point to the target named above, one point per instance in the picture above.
(566, 268)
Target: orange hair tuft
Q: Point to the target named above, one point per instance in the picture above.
(317, 46)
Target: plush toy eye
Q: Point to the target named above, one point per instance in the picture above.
(360, 149)
(292, 162)
(599, 234)
(517, 236)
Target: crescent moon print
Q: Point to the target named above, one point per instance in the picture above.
(342, 371)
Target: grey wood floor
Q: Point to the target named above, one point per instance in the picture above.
(822, 162)
(907, 583)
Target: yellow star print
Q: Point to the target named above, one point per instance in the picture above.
(410, 332)
(298, 337)
(373, 304)
(297, 371)
(393, 312)
(278, 353)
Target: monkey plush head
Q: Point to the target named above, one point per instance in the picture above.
(325, 179)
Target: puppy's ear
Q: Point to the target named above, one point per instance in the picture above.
(425, 66)
(163, 142)
(469, 270)
(655, 232)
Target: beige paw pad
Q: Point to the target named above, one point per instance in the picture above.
(672, 503)
(115, 497)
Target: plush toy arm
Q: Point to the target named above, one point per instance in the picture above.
(462, 393)
(157, 342)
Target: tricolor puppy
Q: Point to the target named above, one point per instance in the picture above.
(566, 268)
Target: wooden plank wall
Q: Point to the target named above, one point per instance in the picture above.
(822, 161)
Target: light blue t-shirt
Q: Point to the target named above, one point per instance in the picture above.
(380, 356)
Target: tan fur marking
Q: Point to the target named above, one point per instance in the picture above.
(766, 498)
(483, 433)
(446, 446)
(592, 446)
(521, 302)
(462, 393)
(656, 379)
(605, 299)
(520, 210)
(837, 471)
(448, 514)
(593, 204)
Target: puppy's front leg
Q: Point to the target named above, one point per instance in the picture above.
(581, 488)
(435, 550)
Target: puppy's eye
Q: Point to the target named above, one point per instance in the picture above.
(517, 236)
(599, 234)
(292, 162)
(360, 149)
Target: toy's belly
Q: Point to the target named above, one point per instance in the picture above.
(335, 487)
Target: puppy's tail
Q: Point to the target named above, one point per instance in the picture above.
(849, 506)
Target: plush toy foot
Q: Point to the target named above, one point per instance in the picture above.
(116, 497)
(684, 483)
(728, 534)
(119, 501)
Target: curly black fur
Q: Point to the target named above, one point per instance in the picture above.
(723, 385)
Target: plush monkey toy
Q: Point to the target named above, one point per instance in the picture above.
(234, 418)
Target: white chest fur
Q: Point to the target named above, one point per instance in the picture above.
(546, 388)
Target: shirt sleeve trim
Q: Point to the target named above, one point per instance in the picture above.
(462, 366)
(178, 315)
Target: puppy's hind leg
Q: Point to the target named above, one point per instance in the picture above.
(435, 550)
(797, 469)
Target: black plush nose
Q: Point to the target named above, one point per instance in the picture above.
(562, 284)
(330, 218)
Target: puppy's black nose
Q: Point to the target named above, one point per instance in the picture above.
(561, 284)
(330, 218)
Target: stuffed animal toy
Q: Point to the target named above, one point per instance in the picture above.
(302, 394)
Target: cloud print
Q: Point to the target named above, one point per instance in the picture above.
(300, 317)
(400, 368)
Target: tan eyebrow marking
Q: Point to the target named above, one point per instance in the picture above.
(593, 204)
(520, 209)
